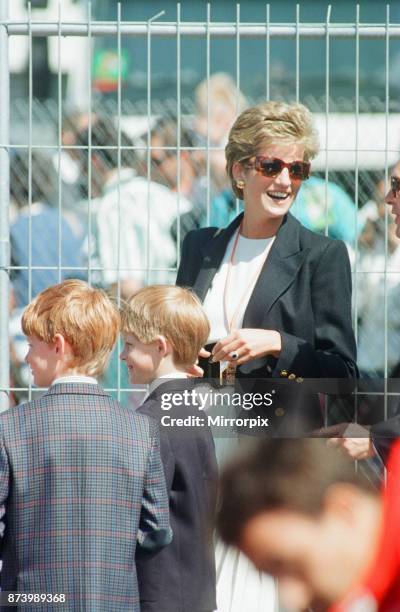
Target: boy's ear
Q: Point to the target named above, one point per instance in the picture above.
(162, 344)
(342, 500)
(62, 346)
(59, 344)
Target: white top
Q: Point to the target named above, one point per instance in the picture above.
(75, 378)
(129, 212)
(250, 253)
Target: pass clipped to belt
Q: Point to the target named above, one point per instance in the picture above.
(227, 373)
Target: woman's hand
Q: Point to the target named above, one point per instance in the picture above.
(247, 344)
(195, 371)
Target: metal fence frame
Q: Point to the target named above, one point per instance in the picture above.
(4, 204)
(178, 29)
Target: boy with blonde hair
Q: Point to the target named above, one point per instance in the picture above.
(164, 328)
(80, 476)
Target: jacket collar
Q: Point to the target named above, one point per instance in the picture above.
(213, 253)
(76, 389)
(173, 385)
(276, 275)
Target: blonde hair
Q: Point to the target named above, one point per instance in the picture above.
(265, 125)
(170, 311)
(85, 316)
(221, 92)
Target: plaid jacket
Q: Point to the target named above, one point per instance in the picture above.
(82, 481)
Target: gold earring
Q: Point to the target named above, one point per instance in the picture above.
(240, 184)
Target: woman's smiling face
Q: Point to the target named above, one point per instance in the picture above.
(270, 197)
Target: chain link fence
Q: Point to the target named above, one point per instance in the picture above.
(153, 168)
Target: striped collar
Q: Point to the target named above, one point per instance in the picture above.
(75, 378)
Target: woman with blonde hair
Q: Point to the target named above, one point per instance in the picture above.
(277, 295)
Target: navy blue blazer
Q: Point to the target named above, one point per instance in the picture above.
(303, 291)
(181, 577)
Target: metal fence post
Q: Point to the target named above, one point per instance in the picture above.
(4, 206)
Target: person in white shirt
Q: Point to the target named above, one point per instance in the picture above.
(132, 242)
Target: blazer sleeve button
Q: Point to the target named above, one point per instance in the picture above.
(279, 412)
(292, 376)
(299, 379)
(283, 373)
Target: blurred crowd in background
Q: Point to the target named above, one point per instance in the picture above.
(113, 204)
(108, 196)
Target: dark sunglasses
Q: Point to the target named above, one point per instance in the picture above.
(395, 185)
(272, 166)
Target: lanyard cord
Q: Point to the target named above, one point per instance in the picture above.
(249, 287)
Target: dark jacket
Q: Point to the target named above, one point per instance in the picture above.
(304, 292)
(182, 577)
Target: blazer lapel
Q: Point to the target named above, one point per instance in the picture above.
(278, 272)
(213, 253)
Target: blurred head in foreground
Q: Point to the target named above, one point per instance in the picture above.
(300, 512)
